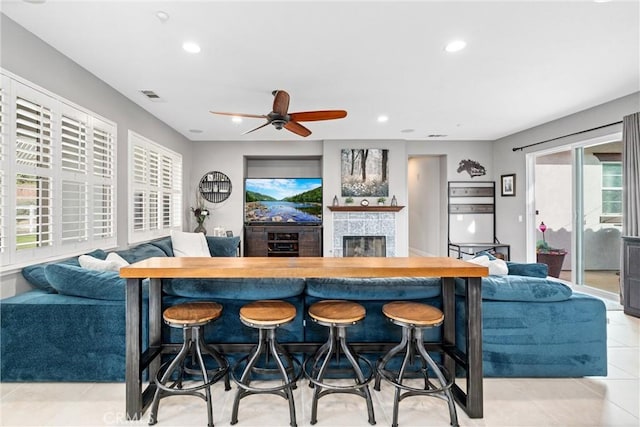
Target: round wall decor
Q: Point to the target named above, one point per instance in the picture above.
(215, 187)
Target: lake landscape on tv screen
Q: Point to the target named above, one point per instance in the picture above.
(283, 200)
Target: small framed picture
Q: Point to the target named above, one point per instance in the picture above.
(229, 233)
(508, 184)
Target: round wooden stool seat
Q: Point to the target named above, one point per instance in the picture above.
(337, 311)
(192, 313)
(413, 313)
(267, 312)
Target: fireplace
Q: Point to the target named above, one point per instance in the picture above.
(364, 246)
(381, 225)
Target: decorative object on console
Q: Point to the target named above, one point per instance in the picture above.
(472, 167)
(364, 202)
(348, 200)
(365, 172)
(394, 201)
(508, 185)
(381, 201)
(215, 187)
(546, 254)
(335, 201)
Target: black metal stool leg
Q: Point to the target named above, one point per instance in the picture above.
(382, 363)
(205, 377)
(330, 350)
(441, 379)
(246, 375)
(153, 417)
(360, 376)
(285, 374)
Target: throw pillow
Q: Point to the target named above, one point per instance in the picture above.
(80, 282)
(496, 266)
(117, 259)
(189, 244)
(528, 269)
(91, 263)
(223, 246)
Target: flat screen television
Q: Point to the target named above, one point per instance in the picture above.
(283, 201)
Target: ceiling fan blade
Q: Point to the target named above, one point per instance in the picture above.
(255, 129)
(297, 128)
(312, 116)
(253, 116)
(280, 102)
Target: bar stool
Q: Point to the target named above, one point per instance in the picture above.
(337, 315)
(191, 317)
(267, 316)
(414, 317)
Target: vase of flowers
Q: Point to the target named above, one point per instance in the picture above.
(201, 213)
(546, 254)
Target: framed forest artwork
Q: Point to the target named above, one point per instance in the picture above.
(365, 172)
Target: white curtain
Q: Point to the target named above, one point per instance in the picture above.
(631, 179)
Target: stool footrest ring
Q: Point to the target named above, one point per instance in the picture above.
(297, 371)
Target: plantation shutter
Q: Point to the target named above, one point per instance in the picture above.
(104, 173)
(156, 201)
(3, 166)
(34, 191)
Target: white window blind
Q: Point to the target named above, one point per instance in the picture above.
(3, 166)
(155, 190)
(58, 177)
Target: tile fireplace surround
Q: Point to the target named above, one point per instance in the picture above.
(364, 224)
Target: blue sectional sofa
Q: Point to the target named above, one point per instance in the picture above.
(72, 326)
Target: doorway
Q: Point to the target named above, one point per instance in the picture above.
(578, 195)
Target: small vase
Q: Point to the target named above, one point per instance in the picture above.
(200, 229)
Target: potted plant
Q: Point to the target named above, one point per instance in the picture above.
(381, 201)
(348, 200)
(551, 256)
(200, 212)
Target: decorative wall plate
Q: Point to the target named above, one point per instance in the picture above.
(215, 187)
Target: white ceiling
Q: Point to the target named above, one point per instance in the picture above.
(526, 63)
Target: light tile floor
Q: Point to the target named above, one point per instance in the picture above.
(613, 400)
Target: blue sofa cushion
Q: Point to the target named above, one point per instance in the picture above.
(240, 288)
(80, 282)
(140, 252)
(35, 275)
(223, 246)
(164, 244)
(520, 288)
(388, 288)
(528, 269)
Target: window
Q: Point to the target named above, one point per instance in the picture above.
(155, 189)
(58, 175)
(611, 191)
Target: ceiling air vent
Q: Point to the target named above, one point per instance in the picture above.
(151, 95)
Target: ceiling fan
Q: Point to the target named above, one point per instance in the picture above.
(281, 118)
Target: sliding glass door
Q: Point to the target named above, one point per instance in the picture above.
(577, 194)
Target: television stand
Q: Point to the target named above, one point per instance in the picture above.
(267, 240)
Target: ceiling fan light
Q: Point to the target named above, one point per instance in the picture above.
(383, 119)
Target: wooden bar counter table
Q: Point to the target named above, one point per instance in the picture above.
(137, 399)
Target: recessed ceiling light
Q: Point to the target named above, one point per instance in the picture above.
(162, 16)
(236, 119)
(34, 1)
(436, 135)
(407, 130)
(191, 47)
(455, 46)
(195, 130)
(601, 1)
(383, 119)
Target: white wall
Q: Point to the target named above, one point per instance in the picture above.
(508, 161)
(425, 212)
(229, 158)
